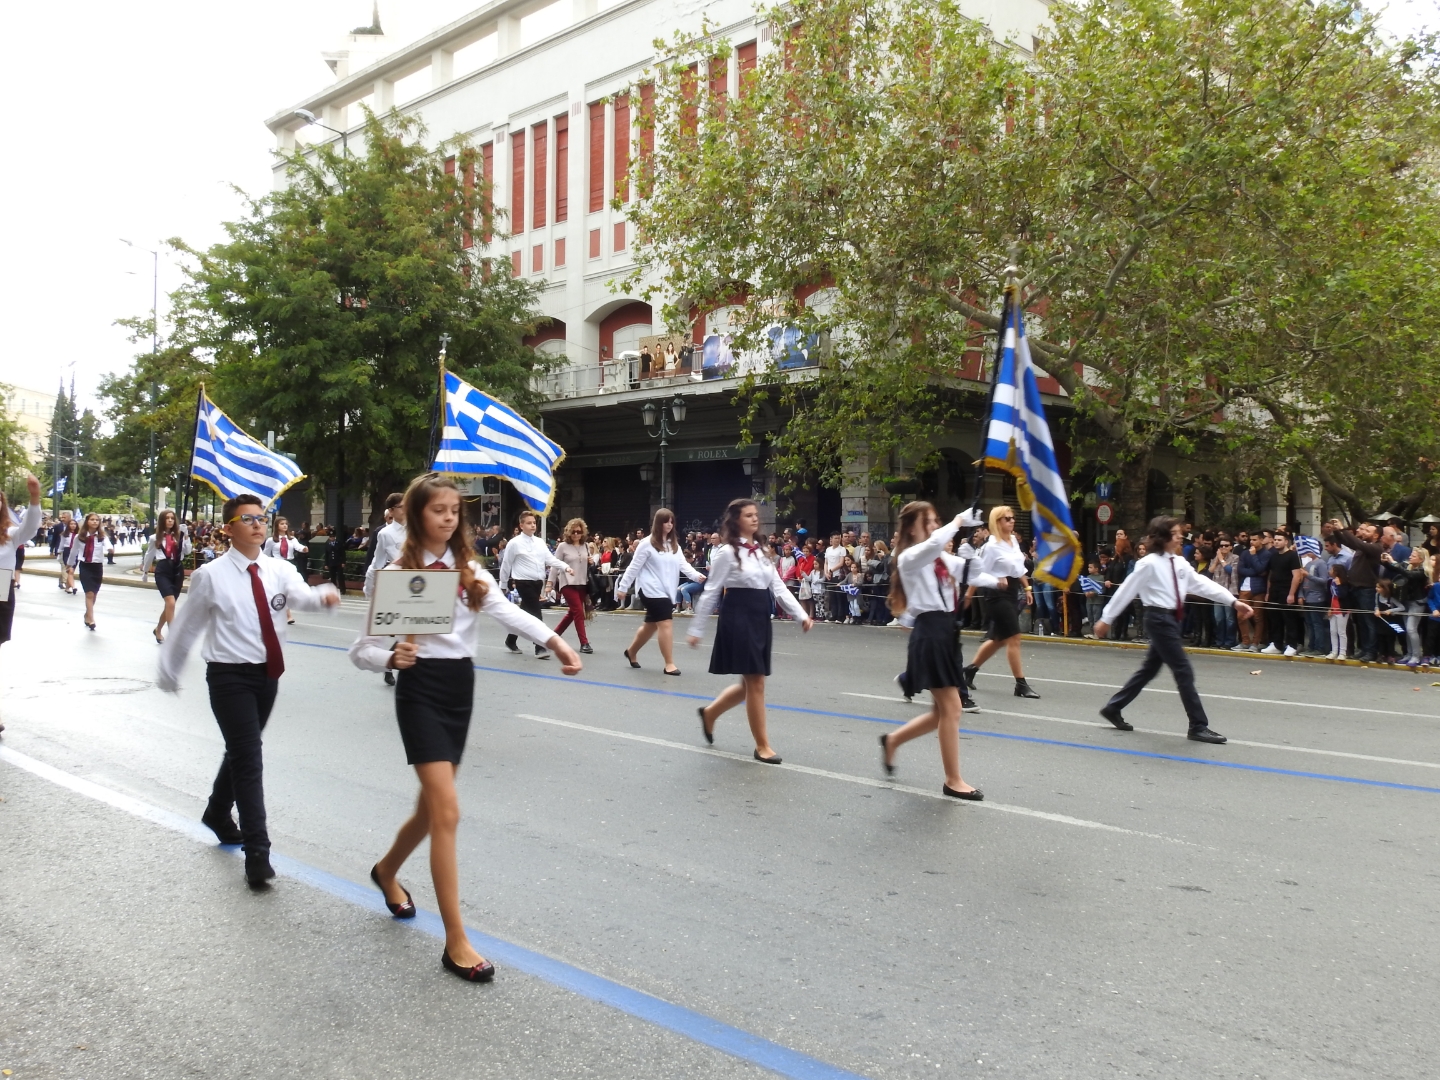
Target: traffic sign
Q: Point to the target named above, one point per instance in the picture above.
(1105, 513)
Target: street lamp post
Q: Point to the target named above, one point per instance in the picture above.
(310, 118)
(660, 417)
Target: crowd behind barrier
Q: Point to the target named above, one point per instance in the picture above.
(1367, 593)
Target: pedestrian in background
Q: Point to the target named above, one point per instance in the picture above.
(526, 562)
(166, 554)
(87, 555)
(1003, 560)
(575, 553)
(13, 536)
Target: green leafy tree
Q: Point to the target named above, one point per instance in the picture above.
(1222, 214)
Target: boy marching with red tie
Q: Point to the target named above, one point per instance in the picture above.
(240, 602)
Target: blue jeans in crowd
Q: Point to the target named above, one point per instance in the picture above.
(1227, 630)
(1365, 619)
(689, 590)
(1317, 628)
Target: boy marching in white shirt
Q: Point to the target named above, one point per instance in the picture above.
(238, 601)
(1162, 580)
(526, 562)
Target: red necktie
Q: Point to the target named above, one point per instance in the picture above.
(89, 547)
(274, 658)
(168, 545)
(284, 547)
(1179, 599)
(438, 564)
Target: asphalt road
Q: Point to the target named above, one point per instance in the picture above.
(1121, 904)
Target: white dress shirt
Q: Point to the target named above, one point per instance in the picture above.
(925, 589)
(97, 550)
(1002, 559)
(527, 558)
(752, 570)
(283, 547)
(389, 542)
(20, 533)
(1157, 583)
(373, 653)
(657, 572)
(155, 552)
(222, 606)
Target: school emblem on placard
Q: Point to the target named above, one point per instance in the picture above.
(417, 585)
(278, 601)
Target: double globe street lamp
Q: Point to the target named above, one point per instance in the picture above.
(661, 422)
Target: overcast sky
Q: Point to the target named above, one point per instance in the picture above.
(133, 120)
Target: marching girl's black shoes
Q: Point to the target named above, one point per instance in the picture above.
(400, 911)
(973, 796)
(484, 971)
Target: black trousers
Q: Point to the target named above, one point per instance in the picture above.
(1162, 627)
(529, 601)
(1285, 622)
(241, 698)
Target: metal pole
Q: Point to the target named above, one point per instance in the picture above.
(664, 442)
(154, 353)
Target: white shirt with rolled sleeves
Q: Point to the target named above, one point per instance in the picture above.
(372, 653)
(389, 542)
(528, 558)
(20, 533)
(751, 570)
(924, 590)
(283, 547)
(98, 550)
(1155, 583)
(657, 573)
(221, 605)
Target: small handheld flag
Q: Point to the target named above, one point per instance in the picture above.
(233, 463)
(59, 488)
(1090, 586)
(1018, 442)
(1307, 545)
(485, 437)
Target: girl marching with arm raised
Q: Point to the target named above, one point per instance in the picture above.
(166, 554)
(434, 697)
(752, 587)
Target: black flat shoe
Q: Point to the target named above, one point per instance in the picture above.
(224, 828)
(675, 672)
(1205, 734)
(970, 671)
(1023, 689)
(257, 868)
(400, 911)
(1113, 715)
(704, 728)
(627, 656)
(389, 678)
(481, 972)
(885, 755)
(972, 796)
(585, 648)
(767, 760)
(89, 626)
(158, 639)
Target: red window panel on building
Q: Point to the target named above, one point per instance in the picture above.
(719, 79)
(517, 181)
(597, 156)
(515, 267)
(487, 170)
(560, 252)
(620, 161)
(647, 109)
(594, 243)
(541, 197)
(619, 236)
(468, 239)
(689, 86)
(562, 168)
(537, 258)
(745, 61)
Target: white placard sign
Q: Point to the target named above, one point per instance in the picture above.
(413, 602)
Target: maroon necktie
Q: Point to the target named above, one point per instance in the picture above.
(284, 547)
(1179, 600)
(90, 548)
(942, 575)
(438, 564)
(274, 658)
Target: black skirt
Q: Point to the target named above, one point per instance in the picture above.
(933, 659)
(7, 614)
(661, 609)
(1002, 611)
(91, 574)
(433, 701)
(169, 576)
(742, 640)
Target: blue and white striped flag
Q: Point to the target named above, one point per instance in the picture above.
(1090, 585)
(1307, 545)
(485, 437)
(233, 463)
(1018, 442)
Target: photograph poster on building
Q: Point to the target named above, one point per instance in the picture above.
(665, 356)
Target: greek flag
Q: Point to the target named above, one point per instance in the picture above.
(59, 488)
(1307, 545)
(1090, 585)
(233, 463)
(1018, 442)
(485, 437)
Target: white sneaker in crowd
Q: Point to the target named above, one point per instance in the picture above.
(1332, 656)
(1240, 648)
(1270, 650)
(1290, 650)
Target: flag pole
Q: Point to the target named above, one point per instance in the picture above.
(190, 468)
(1011, 296)
(437, 414)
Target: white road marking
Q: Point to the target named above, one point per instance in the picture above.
(1175, 734)
(864, 781)
(1225, 697)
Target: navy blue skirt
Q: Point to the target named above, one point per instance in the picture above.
(433, 700)
(933, 659)
(742, 640)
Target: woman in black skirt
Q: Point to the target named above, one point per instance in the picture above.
(167, 552)
(14, 535)
(925, 585)
(1002, 558)
(656, 571)
(743, 571)
(87, 555)
(434, 695)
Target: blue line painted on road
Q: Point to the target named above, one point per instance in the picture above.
(687, 1022)
(968, 731)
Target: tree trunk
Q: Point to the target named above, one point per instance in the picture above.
(1134, 487)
